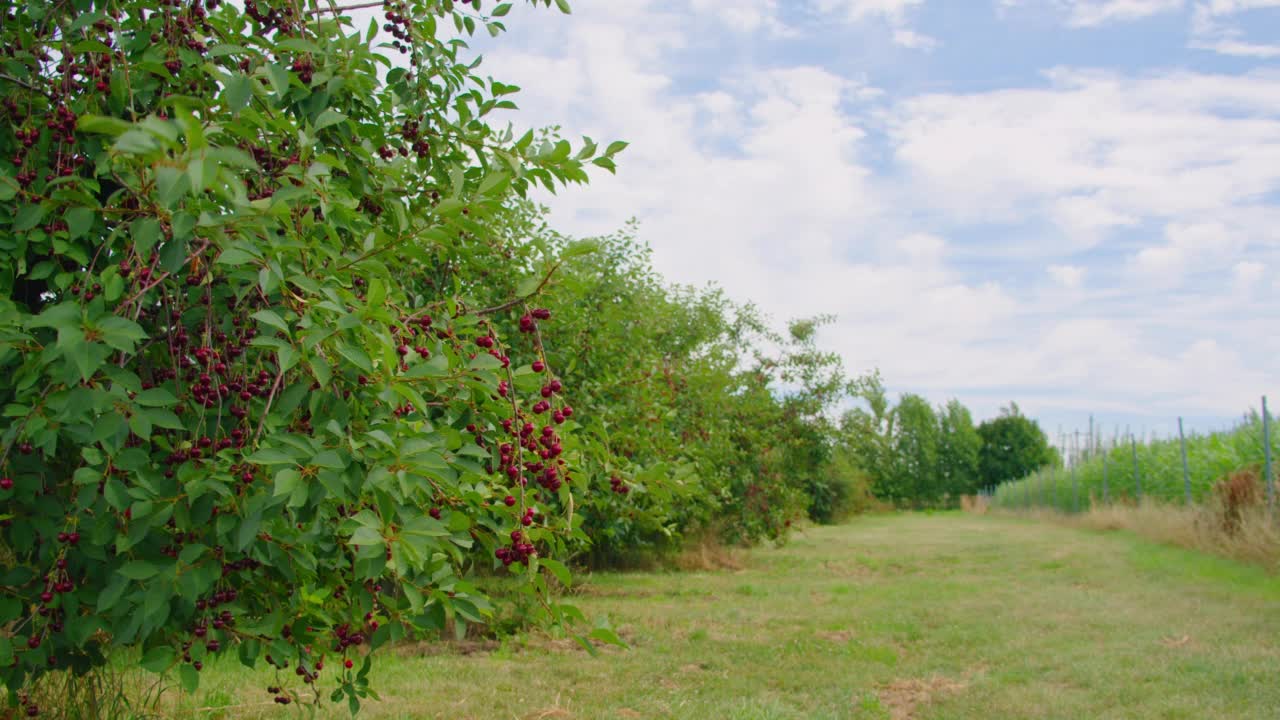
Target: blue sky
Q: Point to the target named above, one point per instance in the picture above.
(1067, 203)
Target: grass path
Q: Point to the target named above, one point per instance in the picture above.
(908, 616)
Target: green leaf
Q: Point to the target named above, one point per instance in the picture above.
(137, 142)
(558, 569)
(140, 424)
(329, 459)
(138, 570)
(366, 536)
(270, 317)
(102, 125)
(235, 256)
(121, 333)
(237, 92)
(156, 397)
(172, 184)
(271, 456)
(286, 480)
(485, 362)
(564, 6)
(190, 678)
(287, 357)
(159, 659)
(108, 598)
(356, 356)
(501, 10)
(528, 286)
(329, 117)
(79, 220)
(6, 652)
(615, 148)
(28, 217)
(145, 234)
(248, 531)
(191, 553)
(607, 635)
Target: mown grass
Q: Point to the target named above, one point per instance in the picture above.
(906, 616)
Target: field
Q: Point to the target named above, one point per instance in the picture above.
(907, 616)
(1110, 474)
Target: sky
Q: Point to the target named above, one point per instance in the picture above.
(1070, 204)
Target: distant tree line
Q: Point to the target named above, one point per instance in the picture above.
(915, 455)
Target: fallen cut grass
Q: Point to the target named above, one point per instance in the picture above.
(1254, 537)
(904, 617)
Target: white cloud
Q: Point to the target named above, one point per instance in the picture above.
(1247, 274)
(1215, 26)
(914, 40)
(1096, 150)
(1087, 13)
(1068, 276)
(893, 12)
(744, 15)
(1094, 13)
(777, 182)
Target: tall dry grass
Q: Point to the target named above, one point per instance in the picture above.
(1233, 520)
(1254, 539)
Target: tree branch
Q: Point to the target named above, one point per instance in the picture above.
(517, 300)
(335, 10)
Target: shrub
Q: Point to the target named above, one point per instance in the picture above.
(260, 398)
(1236, 494)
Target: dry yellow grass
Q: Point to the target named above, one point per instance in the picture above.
(1201, 527)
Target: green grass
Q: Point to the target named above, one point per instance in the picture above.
(908, 616)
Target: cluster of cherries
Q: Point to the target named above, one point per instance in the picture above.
(305, 69)
(411, 131)
(398, 24)
(519, 550)
(61, 125)
(278, 20)
(618, 485)
(30, 708)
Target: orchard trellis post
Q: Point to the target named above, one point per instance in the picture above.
(1075, 484)
(1106, 497)
(1186, 470)
(1266, 453)
(1053, 484)
(1137, 473)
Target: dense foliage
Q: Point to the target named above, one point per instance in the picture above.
(688, 433)
(257, 396)
(1012, 446)
(1123, 469)
(915, 455)
(287, 360)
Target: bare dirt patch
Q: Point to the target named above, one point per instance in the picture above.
(838, 637)
(903, 697)
(446, 647)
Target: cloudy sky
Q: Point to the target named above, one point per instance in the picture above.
(1074, 204)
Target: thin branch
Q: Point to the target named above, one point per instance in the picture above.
(335, 9)
(165, 275)
(27, 85)
(275, 387)
(517, 300)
